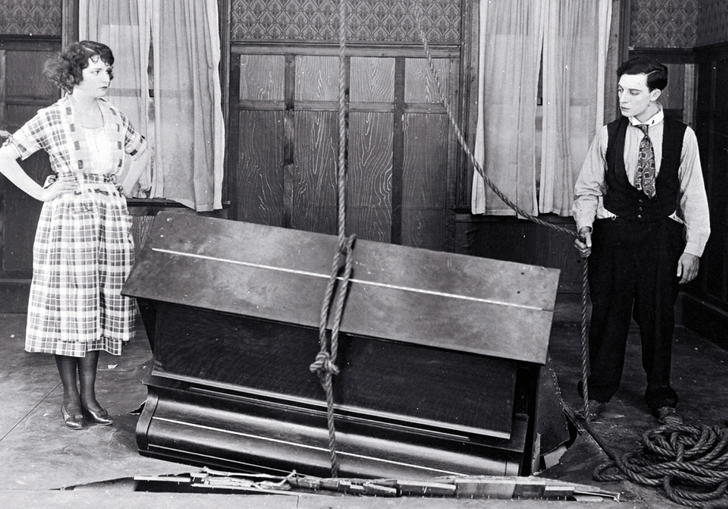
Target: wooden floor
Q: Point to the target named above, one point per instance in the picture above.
(38, 455)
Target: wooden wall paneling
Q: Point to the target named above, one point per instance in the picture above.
(69, 22)
(424, 189)
(370, 151)
(703, 129)
(3, 73)
(454, 151)
(259, 180)
(426, 156)
(25, 90)
(25, 77)
(21, 214)
(469, 100)
(689, 94)
(259, 190)
(262, 78)
(704, 303)
(398, 149)
(232, 139)
(616, 49)
(673, 95)
(716, 268)
(718, 189)
(19, 232)
(317, 78)
(315, 155)
(372, 80)
(369, 184)
(420, 86)
(19, 111)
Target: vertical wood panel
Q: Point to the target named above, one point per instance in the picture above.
(3, 74)
(424, 185)
(25, 74)
(372, 79)
(69, 20)
(419, 86)
(689, 95)
(19, 232)
(261, 77)
(21, 216)
(314, 172)
(715, 263)
(673, 95)
(260, 168)
(369, 191)
(317, 78)
(457, 162)
(25, 90)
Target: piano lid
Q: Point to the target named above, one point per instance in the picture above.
(398, 293)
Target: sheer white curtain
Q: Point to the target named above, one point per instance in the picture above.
(122, 25)
(574, 59)
(511, 36)
(188, 121)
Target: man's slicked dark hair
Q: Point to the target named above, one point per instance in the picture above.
(655, 71)
(66, 69)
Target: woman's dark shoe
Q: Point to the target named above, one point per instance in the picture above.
(73, 421)
(100, 416)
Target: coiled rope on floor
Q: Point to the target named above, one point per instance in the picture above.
(338, 285)
(689, 462)
(704, 464)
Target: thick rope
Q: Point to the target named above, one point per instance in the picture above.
(337, 288)
(690, 463)
(585, 338)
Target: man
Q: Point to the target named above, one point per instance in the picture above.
(642, 216)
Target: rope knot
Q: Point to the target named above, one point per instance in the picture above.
(323, 365)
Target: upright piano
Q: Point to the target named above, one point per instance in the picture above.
(441, 355)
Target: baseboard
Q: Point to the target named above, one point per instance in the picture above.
(704, 318)
(14, 295)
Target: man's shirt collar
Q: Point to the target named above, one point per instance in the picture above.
(654, 120)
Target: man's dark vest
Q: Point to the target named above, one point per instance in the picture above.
(626, 201)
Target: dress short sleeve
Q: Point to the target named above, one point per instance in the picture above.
(30, 138)
(134, 142)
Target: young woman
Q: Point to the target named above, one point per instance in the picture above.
(83, 249)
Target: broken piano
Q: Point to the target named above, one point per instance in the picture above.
(441, 354)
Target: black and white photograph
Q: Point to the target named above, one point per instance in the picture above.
(348, 254)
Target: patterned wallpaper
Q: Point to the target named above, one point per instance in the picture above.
(369, 20)
(37, 17)
(665, 23)
(712, 22)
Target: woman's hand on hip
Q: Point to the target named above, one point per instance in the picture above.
(63, 185)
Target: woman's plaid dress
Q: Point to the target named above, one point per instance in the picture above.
(83, 249)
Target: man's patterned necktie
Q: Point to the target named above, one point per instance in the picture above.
(644, 180)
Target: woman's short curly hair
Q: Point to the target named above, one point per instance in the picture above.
(66, 69)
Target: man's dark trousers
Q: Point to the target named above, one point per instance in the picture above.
(632, 272)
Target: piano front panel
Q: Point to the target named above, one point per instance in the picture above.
(379, 379)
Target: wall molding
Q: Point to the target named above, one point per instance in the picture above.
(666, 55)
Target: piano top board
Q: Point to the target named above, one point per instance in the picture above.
(398, 293)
